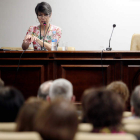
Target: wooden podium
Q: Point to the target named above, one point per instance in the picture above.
(84, 69)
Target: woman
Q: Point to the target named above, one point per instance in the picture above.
(120, 88)
(25, 118)
(35, 34)
(56, 121)
(103, 108)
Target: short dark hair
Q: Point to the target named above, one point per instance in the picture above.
(11, 101)
(43, 7)
(104, 108)
(135, 100)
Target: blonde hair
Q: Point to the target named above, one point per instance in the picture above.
(120, 88)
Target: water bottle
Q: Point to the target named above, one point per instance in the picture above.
(54, 41)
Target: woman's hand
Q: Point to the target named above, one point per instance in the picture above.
(29, 39)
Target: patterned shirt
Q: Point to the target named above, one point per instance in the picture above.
(35, 30)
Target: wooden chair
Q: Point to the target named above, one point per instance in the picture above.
(20, 136)
(85, 127)
(135, 42)
(127, 114)
(131, 121)
(99, 136)
(7, 127)
(132, 128)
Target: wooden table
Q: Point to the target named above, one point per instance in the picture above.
(84, 69)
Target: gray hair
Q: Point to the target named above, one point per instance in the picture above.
(135, 100)
(43, 90)
(61, 88)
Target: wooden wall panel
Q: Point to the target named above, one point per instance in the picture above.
(84, 76)
(28, 79)
(82, 68)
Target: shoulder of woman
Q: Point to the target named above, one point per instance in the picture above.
(56, 28)
(33, 27)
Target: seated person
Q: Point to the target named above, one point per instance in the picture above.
(104, 110)
(35, 34)
(11, 100)
(135, 103)
(120, 88)
(57, 121)
(25, 118)
(61, 88)
(43, 90)
(84, 100)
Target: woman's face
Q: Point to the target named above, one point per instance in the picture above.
(43, 18)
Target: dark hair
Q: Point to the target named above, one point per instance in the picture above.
(104, 108)
(43, 7)
(84, 100)
(11, 101)
(57, 121)
(135, 100)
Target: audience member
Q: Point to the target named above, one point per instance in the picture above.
(104, 110)
(120, 88)
(84, 103)
(57, 121)
(11, 101)
(25, 119)
(135, 102)
(43, 90)
(1, 83)
(61, 88)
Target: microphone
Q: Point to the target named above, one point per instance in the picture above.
(43, 48)
(109, 49)
(44, 23)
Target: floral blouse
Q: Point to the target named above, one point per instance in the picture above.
(35, 30)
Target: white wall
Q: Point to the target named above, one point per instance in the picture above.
(86, 24)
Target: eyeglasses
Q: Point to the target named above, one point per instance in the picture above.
(41, 16)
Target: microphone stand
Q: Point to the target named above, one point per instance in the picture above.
(43, 48)
(109, 49)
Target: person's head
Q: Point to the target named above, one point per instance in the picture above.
(1, 83)
(43, 11)
(135, 101)
(11, 101)
(25, 118)
(120, 88)
(84, 101)
(57, 121)
(104, 108)
(43, 90)
(61, 88)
